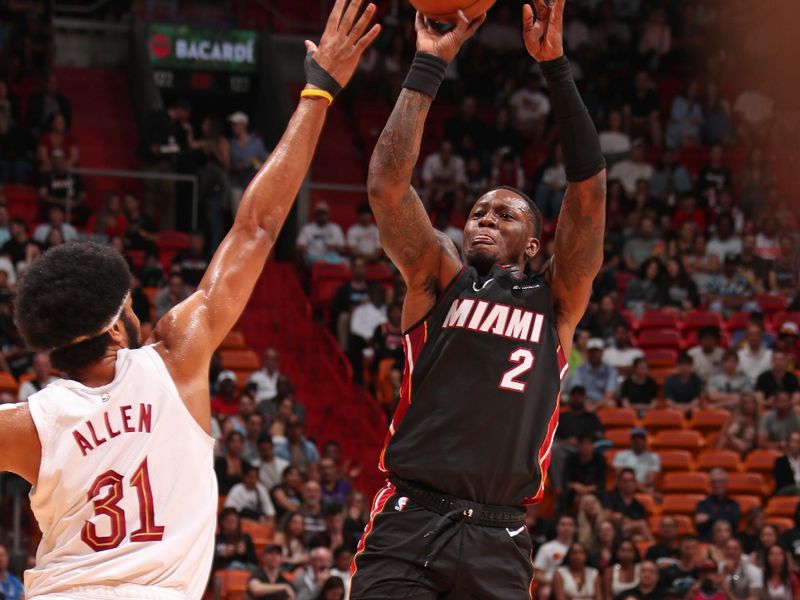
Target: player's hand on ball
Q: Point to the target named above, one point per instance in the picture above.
(445, 45)
(542, 25)
(345, 39)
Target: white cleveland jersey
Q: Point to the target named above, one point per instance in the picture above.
(126, 496)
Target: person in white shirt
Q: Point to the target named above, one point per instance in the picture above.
(551, 554)
(645, 464)
(621, 355)
(614, 141)
(321, 240)
(444, 173)
(270, 467)
(754, 356)
(363, 238)
(342, 558)
(310, 581)
(365, 319)
(267, 377)
(251, 499)
(55, 220)
(631, 170)
(725, 242)
(529, 108)
(41, 376)
(707, 355)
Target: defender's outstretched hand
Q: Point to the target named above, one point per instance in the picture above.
(445, 45)
(542, 25)
(344, 39)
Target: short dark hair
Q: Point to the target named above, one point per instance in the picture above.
(626, 470)
(685, 359)
(363, 209)
(265, 438)
(538, 219)
(638, 361)
(578, 389)
(72, 291)
(20, 221)
(332, 509)
(730, 353)
(710, 331)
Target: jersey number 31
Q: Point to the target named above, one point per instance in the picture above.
(109, 506)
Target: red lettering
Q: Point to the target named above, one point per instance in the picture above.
(126, 419)
(97, 442)
(145, 413)
(110, 429)
(83, 443)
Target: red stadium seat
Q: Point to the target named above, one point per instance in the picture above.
(621, 438)
(782, 523)
(680, 504)
(684, 522)
(8, 383)
(617, 417)
(737, 321)
(771, 303)
(233, 341)
(658, 419)
(709, 419)
(325, 281)
(659, 339)
(782, 317)
(232, 585)
(753, 484)
(722, 459)
(173, 240)
(675, 460)
(685, 483)
(661, 358)
(761, 461)
(649, 504)
(658, 320)
(747, 503)
(782, 506)
(695, 320)
(240, 360)
(680, 439)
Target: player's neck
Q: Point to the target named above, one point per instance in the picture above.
(100, 372)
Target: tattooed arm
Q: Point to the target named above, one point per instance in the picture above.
(426, 258)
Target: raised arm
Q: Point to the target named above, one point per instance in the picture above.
(427, 259)
(189, 334)
(578, 253)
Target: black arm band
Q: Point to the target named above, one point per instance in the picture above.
(319, 77)
(426, 74)
(579, 142)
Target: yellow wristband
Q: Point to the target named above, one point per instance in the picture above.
(312, 93)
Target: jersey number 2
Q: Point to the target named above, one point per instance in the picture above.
(524, 359)
(109, 507)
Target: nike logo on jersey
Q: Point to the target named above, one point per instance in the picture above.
(494, 318)
(527, 287)
(485, 283)
(515, 533)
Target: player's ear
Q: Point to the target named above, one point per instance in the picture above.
(117, 333)
(532, 248)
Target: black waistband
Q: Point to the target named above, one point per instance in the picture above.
(458, 509)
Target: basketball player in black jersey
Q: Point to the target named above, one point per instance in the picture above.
(485, 341)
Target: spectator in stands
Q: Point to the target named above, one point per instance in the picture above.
(716, 506)
(740, 433)
(193, 261)
(348, 296)
(718, 127)
(141, 232)
(573, 424)
(466, 129)
(604, 322)
(686, 118)
(590, 515)
(598, 379)
(550, 555)
(387, 341)
(267, 379)
(311, 509)
(574, 579)
(688, 210)
(721, 532)
(334, 534)
(585, 473)
(500, 135)
(645, 292)
(268, 581)
(645, 465)
(59, 186)
(299, 451)
(270, 467)
(333, 589)
(291, 540)
(232, 548)
(754, 356)
(630, 170)
(552, 185)
(670, 179)
(602, 553)
(677, 288)
(43, 105)
(614, 142)
(639, 391)
(623, 576)
(55, 220)
(444, 177)
(231, 467)
(710, 584)
(778, 423)
(356, 515)
(753, 110)
(641, 109)
(708, 354)
(752, 266)
(247, 154)
(529, 109)
(110, 222)
(42, 376)
(725, 243)
(251, 499)
(779, 581)
(171, 295)
(623, 509)
(342, 559)
(642, 245)
(310, 581)
(622, 355)
(288, 494)
(5, 234)
(363, 238)
(334, 488)
(57, 142)
(54, 238)
(757, 536)
(682, 574)
(365, 319)
(777, 378)
(321, 240)
(786, 471)
(783, 277)
(788, 342)
(254, 427)
(668, 549)
(10, 586)
(225, 403)
(15, 165)
(683, 389)
(742, 579)
(714, 177)
(648, 588)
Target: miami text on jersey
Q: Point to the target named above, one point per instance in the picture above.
(114, 423)
(494, 318)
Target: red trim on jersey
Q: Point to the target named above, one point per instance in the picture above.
(413, 343)
(562, 362)
(378, 504)
(545, 452)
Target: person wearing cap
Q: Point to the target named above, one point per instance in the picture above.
(778, 377)
(597, 378)
(363, 237)
(726, 387)
(682, 390)
(646, 465)
(268, 582)
(632, 169)
(707, 355)
(321, 240)
(247, 153)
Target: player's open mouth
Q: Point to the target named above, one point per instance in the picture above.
(482, 239)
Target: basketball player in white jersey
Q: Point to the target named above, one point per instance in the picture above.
(119, 452)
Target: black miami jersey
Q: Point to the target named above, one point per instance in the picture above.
(479, 400)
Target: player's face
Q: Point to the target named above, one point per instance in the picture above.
(499, 231)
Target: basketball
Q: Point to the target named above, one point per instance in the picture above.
(447, 10)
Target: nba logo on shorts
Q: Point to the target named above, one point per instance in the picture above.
(401, 503)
